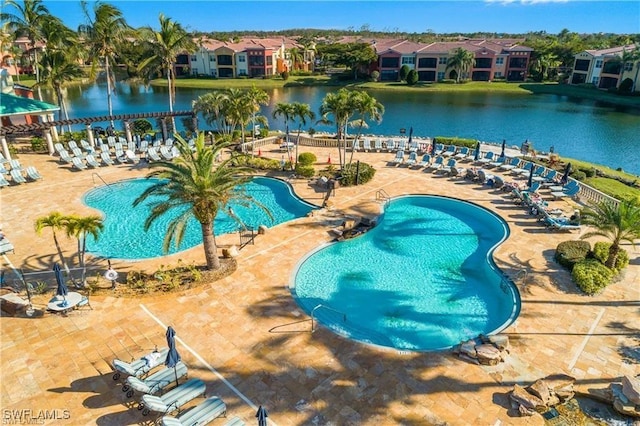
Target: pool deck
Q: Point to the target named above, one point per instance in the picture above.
(247, 339)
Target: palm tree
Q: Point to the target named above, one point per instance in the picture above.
(80, 227)
(104, 32)
(28, 21)
(57, 222)
(211, 105)
(256, 97)
(58, 68)
(296, 57)
(461, 61)
(192, 185)
(287, 111)
(300, 113)
(339, 105)
(166, 44)
(367, 108)
(617, 223)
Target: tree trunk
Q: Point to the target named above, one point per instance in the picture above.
(109, 101)
(210, 248)
(173, 120)
(62, 259)
(35, 59)
(613, 256)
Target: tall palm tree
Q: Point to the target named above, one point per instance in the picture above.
(57, 222)
(166, 44)
(300, 113)
(103, 33)
(339, 105)
(212, 105)
(461, 61)
(296, 57)
(58, 68)
(192, 185)
(367, 108)
(80, 227)
(28, 21)
(256, 98)
(287, 111)
(618, 224)
(238, 110)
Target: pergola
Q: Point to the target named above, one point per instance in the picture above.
(18, 106)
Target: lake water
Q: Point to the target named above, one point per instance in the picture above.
(581, 129)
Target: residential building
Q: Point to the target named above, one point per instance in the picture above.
(604, 68)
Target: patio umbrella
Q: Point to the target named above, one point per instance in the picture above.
(262, 415)
(410, 134)
(62, 289)
(504, 143)
(173, 357)
(530, 181)
(476, 157)
(565, 176)
(433, 147)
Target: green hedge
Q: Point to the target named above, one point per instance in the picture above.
(348, 173)
(601, 253)
(568, 253)
(591, 276)
(305, 171)
(260, 163)
(307, 158)
(469, 143)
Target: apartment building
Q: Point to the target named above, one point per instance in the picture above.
(605, 69)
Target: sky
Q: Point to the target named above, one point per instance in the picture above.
(500, 16)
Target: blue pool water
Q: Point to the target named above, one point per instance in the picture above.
(124, 236)
(422, 279)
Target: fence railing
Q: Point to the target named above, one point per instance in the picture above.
(592, 195)
(259, 143)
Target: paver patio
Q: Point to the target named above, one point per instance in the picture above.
(245, 336)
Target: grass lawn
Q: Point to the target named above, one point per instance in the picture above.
(613, 188)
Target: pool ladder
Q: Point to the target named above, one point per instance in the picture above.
(321, 306)
(93, 177)
(381, 195)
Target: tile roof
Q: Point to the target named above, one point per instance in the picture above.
(11, 105)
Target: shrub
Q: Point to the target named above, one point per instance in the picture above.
(375, 75)
(404, 72)
(365, 174)
(588, 172)
(469, 143)
(412, 78)
(307, 158)
(141, 126)
(626, 85)
(305, 171)
(285, 75)
(37, 144)
(579, 175)
(591, 276)
(568, 253)
(601, 253)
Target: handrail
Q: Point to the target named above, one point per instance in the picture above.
(93, 178)
(381, 195)
(313, 311)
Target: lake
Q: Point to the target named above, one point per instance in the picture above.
(582, 129)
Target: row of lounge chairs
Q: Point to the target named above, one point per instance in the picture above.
(17, 173)
(389, 145)
(140, 377)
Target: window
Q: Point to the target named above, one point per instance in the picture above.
(194, 58)
(269, 60)
(390, 62)
(595, 80)
(194, 71)
(212, 58)
(599, 63)
(483, 63)
(427, 62)
(408, 60)
(500, 61)
(442, 61)
(628, 66)
(242, 58)
(497, 74)
(441, 76)
(582, 65)
(224, 60)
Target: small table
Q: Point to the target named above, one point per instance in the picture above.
(64, 304)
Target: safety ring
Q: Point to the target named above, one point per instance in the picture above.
(111, 275)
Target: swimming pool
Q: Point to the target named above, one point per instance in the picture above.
(124, 236)
(422, 279)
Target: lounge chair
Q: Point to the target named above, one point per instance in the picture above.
(378, 145)
(165, 153)
(569, 190)
(120, 156)
(78, 164)
(131, 156)
(155, 382)
(15, 165)
(91, 161)
(235, 421)
(426, 161)
(560, 223)
(144, 146)
(58, 147)
(3, 181)
(86, 146)
(401, 145)
(488, 158)
(399, 158)
(414, 147)
(131, 146)
(412, 160)
(471, 155)
(152, 154)
(32, 173)
(484, 177)
(450, 151)
(446, 168)
(141, 366)
(201, 414)
(526, 167)
(391, 145)
(78, 153)
(462, 154)
(174, 399)
(366, 145)
(3, 171)
(439, 149)
(498, 162)
(106, 159)
(64, 156)
(17, 177)
(6, 246)
(512, 164)
(437, 164)
(3, 160)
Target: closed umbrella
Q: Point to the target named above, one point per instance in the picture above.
(565, 176)
(476, 156)
(173, 357)
(433, 146)
(504, 143)
(62, 289)
(410, 134)
(262, 415)
(530, 181)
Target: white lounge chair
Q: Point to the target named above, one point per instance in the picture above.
(3, 181)
(152, 154)
(201, 414)
(3, 171)
(131, 156)
(450, 151)
(155, 382)
(437, 164)
(32, 173)
(399, 158)
(72, 144)
(426, 160)
(166, 154)
(378, 145)
(140, 366)
(391, 145)
(462, 154)
(86, 146)
(488, 158)
(235, 421)
(512, 164)
(174, 399)
(91, 161)
(106, 158)
(120, 156)
(15, 165)
(366, 145)
(64, 156)
(17, 177)
(412, 159)
(78, 164)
